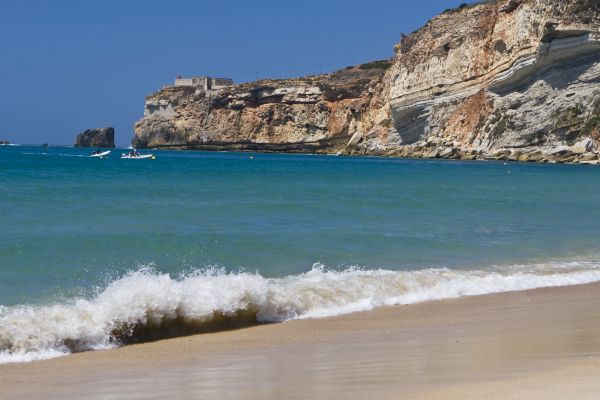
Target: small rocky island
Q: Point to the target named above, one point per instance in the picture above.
(99, 137)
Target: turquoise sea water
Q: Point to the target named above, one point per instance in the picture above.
(72, 227)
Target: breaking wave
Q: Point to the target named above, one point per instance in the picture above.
(147, 305)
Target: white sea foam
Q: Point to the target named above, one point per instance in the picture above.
(148, 301)
(29, 153)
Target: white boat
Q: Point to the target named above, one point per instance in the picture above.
(126, 156)
(100, 154)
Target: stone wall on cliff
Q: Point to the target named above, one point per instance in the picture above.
(508, 79)
(98, 137)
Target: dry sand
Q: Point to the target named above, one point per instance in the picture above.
(539, 344)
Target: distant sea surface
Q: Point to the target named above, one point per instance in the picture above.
(93, 249)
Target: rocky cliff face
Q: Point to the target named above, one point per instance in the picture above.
(100, 137)
(314, 114)
(510, 79)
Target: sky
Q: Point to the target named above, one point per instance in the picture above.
(70, 65)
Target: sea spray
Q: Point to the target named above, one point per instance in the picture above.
(146, 304)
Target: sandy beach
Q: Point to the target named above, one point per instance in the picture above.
(539, 344)
(281, 200)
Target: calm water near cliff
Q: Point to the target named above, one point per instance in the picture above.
(284, 236)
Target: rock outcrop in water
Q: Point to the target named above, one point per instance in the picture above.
(510, 79)
(100, 137)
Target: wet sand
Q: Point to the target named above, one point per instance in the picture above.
(539, 344)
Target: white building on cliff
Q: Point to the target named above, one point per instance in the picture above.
(204, 83)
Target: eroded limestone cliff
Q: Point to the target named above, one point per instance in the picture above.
(510, 79)
(318, 113)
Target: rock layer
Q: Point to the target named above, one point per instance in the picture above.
(99, 137)
(503, 79)
(515, 80)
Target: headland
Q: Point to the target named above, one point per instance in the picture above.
(503, 80)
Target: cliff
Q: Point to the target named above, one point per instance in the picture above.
(511, 79)
(100, 137)
(313, 114)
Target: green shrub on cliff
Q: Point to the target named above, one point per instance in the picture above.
(592, 125)
(380, 64)
(500, 127)
(569, 117)
(582, 6)
(464, 6)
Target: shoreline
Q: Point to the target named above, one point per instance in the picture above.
(534, 156)
(541, 343)
(531, 157)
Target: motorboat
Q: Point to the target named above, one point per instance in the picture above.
(134, 155)
(100, 154)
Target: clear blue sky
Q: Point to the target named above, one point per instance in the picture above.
(68, 65)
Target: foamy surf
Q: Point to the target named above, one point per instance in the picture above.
(146, 305)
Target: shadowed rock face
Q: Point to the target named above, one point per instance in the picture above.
(100, 137)
(509, 79)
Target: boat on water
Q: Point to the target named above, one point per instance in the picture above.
(134, 155)
(100, 154)
(138, 157)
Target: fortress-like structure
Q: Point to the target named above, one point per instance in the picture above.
(204, 83)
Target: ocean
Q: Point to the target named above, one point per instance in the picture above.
(98, 253)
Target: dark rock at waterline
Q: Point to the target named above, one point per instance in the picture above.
(99, 137)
